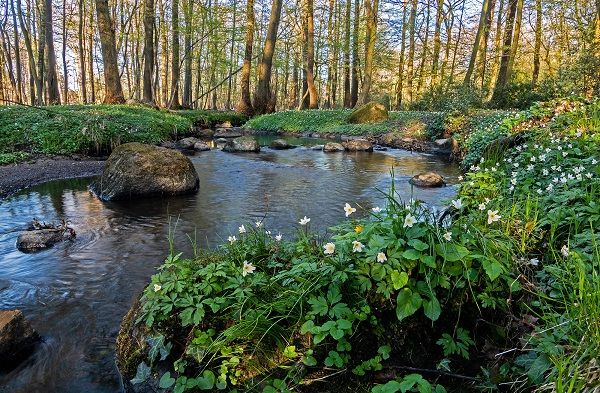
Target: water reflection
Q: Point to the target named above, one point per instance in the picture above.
(77, 292)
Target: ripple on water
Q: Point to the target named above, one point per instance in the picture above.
(76, 293)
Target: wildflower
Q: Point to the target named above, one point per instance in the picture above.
(157, 287)
(359, 228)
(594, 162)
(409, 221)
(530, 167)
(482, 206)
(457, 203)
(381, 257)
(304, 221)
(564, 251)
(376, 209)
(329, 248)
(460, 178)
(258, 224)
(534, 261)
(448, 236)
(242, 229)
(349, 209)
(513, 181)
(545, 172)
(357, 246)
(279, 237)
(232, 239)
(588, 175)
(565, 153)
(493, 216)
(248, 268)
(268, 233)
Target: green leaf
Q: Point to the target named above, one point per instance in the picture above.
(142, 374)
(432, 308)
(492, 268)
(344, 324)
(411, 254)
(166, 381)
(399, 279)
(307, 327)
(290, 352)
(418, 244)
(319, 305)
(336, 333)
(407, 303)
(309, 361)
(452, 252)
(429, 260)
(206, 381)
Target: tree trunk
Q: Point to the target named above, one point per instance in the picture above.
(400, 85)
(112, 81)
(175, 68)
(263, 98)
(515, 40)
(187, 64)
(41, 61)
(347, 96)
(424, 51)
(245, 104)
(51, 77)
(372, 7)
(81, 49)
(411, 48)
(20, 92)
(355, 70)
(33, 76)
(231, 59)
(309, 66)
(64, 55)
(538, 42)
(148, 93)
(478, 38)
(506, 50)
(437, 42)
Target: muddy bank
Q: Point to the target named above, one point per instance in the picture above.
(42, 169)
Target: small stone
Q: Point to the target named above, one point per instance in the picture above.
(427, 179)
(201, 146)
(206, 133)
(242, 144)
(280, 144)
(188, 143)
(221, 140)
(358, 145)
(333, 147)
(233, 132)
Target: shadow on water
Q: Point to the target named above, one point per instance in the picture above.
(76, 293)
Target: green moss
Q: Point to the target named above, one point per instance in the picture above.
(205, 118)
(372, 112)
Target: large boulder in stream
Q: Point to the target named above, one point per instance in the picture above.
(333, 147)
(280, 144)
(372, 112)
(138, 170)
(427, 179)
(17, 339)
(242, 144)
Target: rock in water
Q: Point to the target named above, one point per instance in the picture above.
(333, 147)
(139, 170)
(242, 144)
(372, 112)
(358, 145)
(39, 236)
(427, 179)
(201, 146)
(17, 339)
(228, 132)
(280, 144)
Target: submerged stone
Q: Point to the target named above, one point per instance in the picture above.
(242, 144)
(358, 145)
(17, 339)
(138, 170)
(39, 236)
(280, 144)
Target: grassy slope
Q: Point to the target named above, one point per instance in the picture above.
(93, 129)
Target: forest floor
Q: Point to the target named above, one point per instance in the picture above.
(46, 168)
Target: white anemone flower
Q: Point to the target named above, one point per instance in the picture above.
(376, 209)
(409, 221)
(564, 251)
(242, 229)
(304, 221)
(258, 224)
(357, 246)
(381, 257)
(248, 268)
(349, 209)
(448, 236)
(329, 248)
(493, 216)
(231, 239)
(279, 237)
(482, 206)
(457, 203)
(157, 287)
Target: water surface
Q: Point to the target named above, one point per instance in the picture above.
(76, 293)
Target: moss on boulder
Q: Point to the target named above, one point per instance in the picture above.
(372, 112)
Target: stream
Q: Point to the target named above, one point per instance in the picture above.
(76, 293)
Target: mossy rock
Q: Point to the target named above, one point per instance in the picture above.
(372, 112)
(138, 170)
(242, 144)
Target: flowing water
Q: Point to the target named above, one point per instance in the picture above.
(76, 293)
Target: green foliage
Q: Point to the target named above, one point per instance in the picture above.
(13, 158)
(210, 118)
(90, 129)
(418, 124)
(458, 98)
